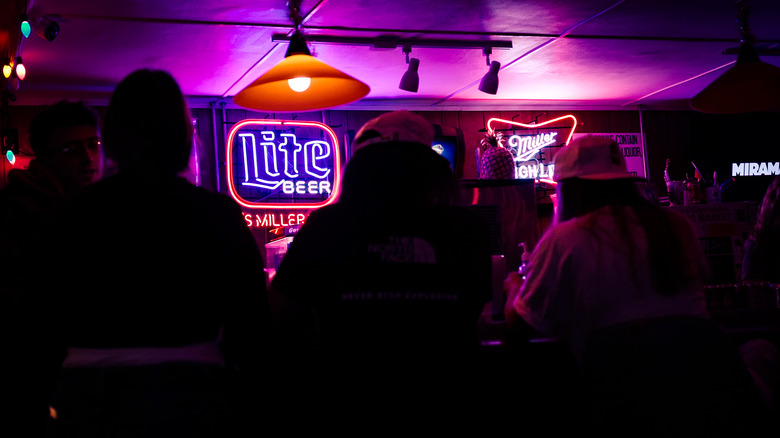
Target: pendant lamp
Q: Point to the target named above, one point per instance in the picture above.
(300, 82)
(750, 85)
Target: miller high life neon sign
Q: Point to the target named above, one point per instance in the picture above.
(525, 148)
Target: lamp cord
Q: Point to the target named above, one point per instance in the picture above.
(295, 13)
(743, 11)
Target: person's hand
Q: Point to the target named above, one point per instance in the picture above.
(512, 284)
(517, 329)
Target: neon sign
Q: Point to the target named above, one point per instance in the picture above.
(525, 148)
(283, 164)
(274, 220)
(755, 169)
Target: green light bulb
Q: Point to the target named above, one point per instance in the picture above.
(26, 28)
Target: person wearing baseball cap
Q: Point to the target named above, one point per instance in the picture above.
(397, 275)
(396, 126)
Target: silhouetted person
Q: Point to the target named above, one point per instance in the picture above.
(397, 278)
(762, 250)
(154, 287)
(612, 256)
(68, 156)
(621, 279)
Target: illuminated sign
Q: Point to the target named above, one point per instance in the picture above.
(274, 219)
(631, 147)
(755, 169)
(538, 171)
(283, 164)
(525, 148)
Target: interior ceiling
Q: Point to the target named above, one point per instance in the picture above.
(566, 54)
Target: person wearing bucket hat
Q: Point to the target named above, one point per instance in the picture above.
(610, 256)
(397, 276)
(591, 157)
(611, 251)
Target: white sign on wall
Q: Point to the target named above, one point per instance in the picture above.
(632, 147)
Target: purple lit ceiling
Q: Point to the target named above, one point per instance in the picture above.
(573, 54)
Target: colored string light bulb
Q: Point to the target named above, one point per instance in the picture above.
(21, 72)
(25, 26)
(7, 68)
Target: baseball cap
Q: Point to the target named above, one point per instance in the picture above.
(591, 157)
(403, 126)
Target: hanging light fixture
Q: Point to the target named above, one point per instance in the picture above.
(300, 82)
(410, 81)
(750, 85)
(489, 82)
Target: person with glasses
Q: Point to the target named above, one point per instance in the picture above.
(65, 141)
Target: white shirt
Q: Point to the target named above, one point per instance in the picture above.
(584, 276)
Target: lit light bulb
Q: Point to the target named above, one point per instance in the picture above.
(10, 157)
(25, 26)
(7, 69)
(21, 72)
(299, 84)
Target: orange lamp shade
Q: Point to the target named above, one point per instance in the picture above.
(329, 87)
(748, 86)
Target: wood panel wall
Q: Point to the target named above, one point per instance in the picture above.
(681, 136)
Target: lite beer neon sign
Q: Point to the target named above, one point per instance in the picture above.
(274, 169)
(525, 148)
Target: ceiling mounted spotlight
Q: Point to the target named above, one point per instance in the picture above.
(300, 82)
(489, 82)
(47, 28)
(410, 81)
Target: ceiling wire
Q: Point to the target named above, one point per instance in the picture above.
(294, 8)
(297, 21)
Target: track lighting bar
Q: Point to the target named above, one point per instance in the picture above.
(392, 42)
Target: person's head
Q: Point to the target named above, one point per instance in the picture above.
(591, 173)
(148, 128)
(393, 164)
(65, 138)
(395, 126)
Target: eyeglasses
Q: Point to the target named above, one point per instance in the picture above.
(74, 147)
